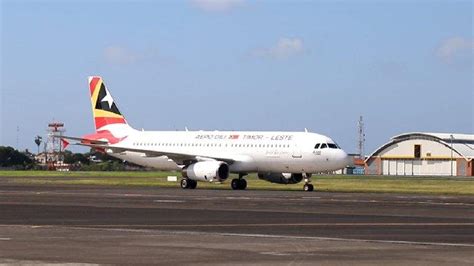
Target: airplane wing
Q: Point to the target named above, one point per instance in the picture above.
(179, 158)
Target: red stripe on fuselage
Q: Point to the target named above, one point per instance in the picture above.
(103, 134)
(103, 121)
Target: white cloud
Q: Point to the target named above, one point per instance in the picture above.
(119, 55)
(454, 48)
(217, 5)
(284, 48)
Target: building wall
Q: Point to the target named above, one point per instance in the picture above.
(418, 167)
(470, 168)
(435, 159)
(429, 149)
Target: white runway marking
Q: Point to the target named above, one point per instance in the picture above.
(5, 238)
(285, 237)
(316, 238)
(350, 240)
(238, 198)
(384, 201)
(279, 224)
(169, 201)
(274, 253)
(405, 200)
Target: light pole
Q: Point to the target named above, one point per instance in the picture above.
(451, 136)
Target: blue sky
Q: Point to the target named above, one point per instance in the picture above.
(240, 65)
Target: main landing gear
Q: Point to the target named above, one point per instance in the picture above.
(188, 183)
(239, 183)
(307, 185)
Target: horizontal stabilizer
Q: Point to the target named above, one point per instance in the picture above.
(82, 140)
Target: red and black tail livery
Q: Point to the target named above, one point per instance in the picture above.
(104, 108)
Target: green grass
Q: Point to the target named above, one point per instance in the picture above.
(328, 183)
(83, 174)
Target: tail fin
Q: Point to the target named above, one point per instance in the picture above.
(106, 114)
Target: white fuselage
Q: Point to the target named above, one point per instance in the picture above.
(274, 152)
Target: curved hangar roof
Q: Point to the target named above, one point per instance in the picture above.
(463, 144)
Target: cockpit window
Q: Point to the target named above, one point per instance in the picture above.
(324, 146)
(317, 146)
(332, 145)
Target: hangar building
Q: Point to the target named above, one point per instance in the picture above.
(419, 153)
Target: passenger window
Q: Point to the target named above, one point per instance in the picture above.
(317, 146)
(324, 146)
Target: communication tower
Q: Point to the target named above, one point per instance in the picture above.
(53, 145)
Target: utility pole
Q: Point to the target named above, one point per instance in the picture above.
(17, 137)
(452, 138)
(361, 140)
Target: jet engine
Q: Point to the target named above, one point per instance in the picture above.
(281, 178)
(207, 171)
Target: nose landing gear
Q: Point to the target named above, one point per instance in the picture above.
(307, 185)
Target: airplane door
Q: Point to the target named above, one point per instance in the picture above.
(297, 152)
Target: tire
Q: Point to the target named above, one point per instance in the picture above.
(242, 184)
(308, 187)
(235, 184)
(192, 184)
(185, 183)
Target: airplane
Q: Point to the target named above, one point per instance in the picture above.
(210, 156)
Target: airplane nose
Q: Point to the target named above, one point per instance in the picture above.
(343, 158)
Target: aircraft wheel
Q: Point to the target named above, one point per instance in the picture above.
(242, 184)
(185, 183)
(192, 184)
(235, 184)
(308, 187)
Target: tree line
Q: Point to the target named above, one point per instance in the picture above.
(11, 158)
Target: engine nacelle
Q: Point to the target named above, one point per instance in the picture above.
(207, 171)
(281, 178)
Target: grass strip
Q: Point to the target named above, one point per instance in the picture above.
(327, 183)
